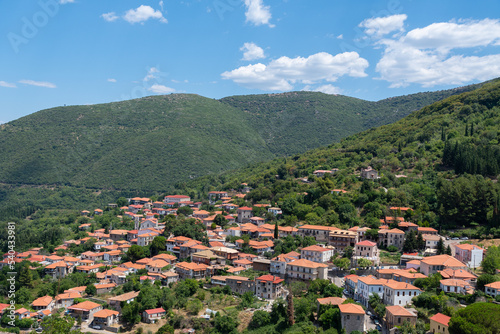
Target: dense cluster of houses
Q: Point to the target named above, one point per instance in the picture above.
(223, 261)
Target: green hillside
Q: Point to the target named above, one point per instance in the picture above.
(449, 153)
(139, 144)
(299, 121)
(151, 143)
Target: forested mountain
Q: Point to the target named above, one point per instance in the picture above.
(149, 144)
(442, 161)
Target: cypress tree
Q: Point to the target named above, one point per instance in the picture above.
(466, 130)
(443, 135)
(471, 129)
(276, 231)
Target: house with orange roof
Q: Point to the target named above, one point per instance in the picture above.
(431, 240)
(352, 317)
(471, 255)
(335, 301)
(427, 230)
(104, 288)
(367, 286)
(396, 315)
(305, 270)
(236, 270)
(226, 252)
(105, 318)
(317, 253)
(146, 238)
(125, 298)
(79, 289)
(394, 237)
(170, 259)
(191, 270)
(456, 286)
(244, 214)
(279, 263)
(439, 323)
(92, 256)
(116, 235)
(22, 313)
(408, 226)
(89, 269)
(245, 263)
(187, 248)
(58, 269)
(432, 264)
(153, 315)
(407, 276)
(367, 250)
(269, 287)
(65, 300)
(492, 289)
(340, 239)
(43, 303)
(176, 199)
(85, 309)
(112, 256)
(319, 232)
(351, 284)
(399, 293)
(156, 266)
(458, 274)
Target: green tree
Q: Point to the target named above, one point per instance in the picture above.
(342, 263)
(131, 313)
(158, 245)
(91, 290)
(166, 329)
(135, 252)
(331, 319)
(276, 231)
(259, 319)
(56, 324)
(472, 319)
(26, 277)
(225, 324)
(440, 247)
(491, 261)
(194, 306)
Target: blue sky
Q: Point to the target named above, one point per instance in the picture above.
(67, 52)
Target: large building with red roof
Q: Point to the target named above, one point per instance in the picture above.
(269, 287)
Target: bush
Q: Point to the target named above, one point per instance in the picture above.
(392, 248)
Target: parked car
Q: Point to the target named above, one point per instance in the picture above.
(465, 238)
(96, 327)
(378, 327)
(454, 238)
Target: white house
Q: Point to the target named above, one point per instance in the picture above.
(399, 293)
(317, 253)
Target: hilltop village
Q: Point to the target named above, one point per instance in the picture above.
(236, 250)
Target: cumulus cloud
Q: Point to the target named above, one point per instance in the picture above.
(327, 89)
(160, 89)
(381, 26)
(110, 17)
(63, 2)
(111, 80)
(7, 84)
(38, 83)
(153, 73)
(251, 51)
(424, 55)
(139, 15)
(142, 14)
(281, 74)
(257, 13)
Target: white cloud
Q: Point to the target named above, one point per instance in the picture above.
(142, 14)
(38, 83)
(283, 73)
(111, 80)
(62, 2)
(327, 89)
(251, 51)
(340, 36)
(161, 5)
(7, 84)
(160, 89)
(423, 56)
(257, 13)
(110, 17)
(449, 35)
(380, 26)
(152, 74)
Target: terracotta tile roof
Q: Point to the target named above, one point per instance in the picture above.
(105, 313)
(105, 285)
(494, 285)
(316, 248)
(270, 278)
(155, 311)
(86, 306)
(42, 301)
(366, 243)
(331, 301)
(457, 273)
(191, 266)
(468, 247)
(441, 318)
(319, 227)
(442, 260)
(427, 229)
(400, 285)
(399, 311)
(455, 282)
(351, 309)
(307, 264)
(68, 295)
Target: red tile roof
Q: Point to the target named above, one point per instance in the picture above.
(270, 278)
(155, 311)
(441, 318)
